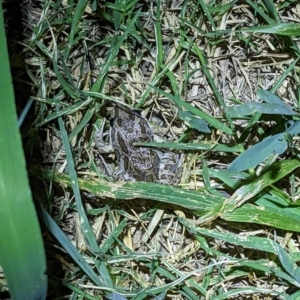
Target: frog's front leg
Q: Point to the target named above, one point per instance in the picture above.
(123, 171)
(101, 145)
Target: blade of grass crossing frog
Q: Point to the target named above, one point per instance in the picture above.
(212, 121)
(246, 192)
(198, 146)
(86, 228)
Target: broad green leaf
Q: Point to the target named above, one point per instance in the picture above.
(295, 296)
(22, 255)
(273, 217)
(265, 108)
(195, 200)
(253, 156)
(270, 97)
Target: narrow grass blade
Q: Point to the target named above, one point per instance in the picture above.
(211, 120)
(114, 49)
(80, 7)
(86, 227)
(259, 11)
(22, 254)
(285, 29)
(197, 146)
(71, 250)
(272, 10)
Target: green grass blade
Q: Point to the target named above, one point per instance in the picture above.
(114, 49)
(285, 29)
(253, 156)
(69, 247)
(259, 11)
(248, 109)
(80, 7)
(272, 10)
(86, 227)
(195, 200)
(274, 217)
(288, 263)
(211, 120)
(196, 146)
(22, 254)
(248, 191)
(206, 12)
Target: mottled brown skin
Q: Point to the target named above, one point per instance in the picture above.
(134, 162)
